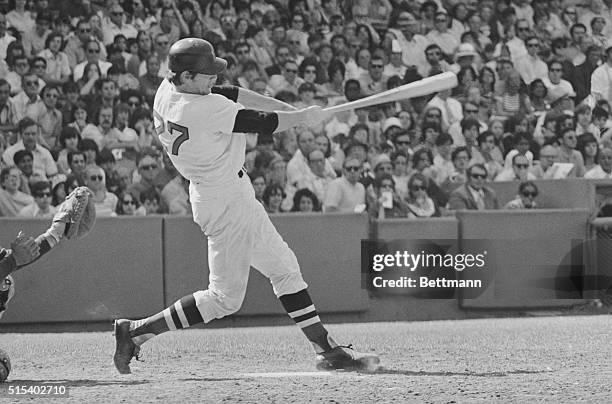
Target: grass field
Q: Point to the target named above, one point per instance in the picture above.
(548, 359)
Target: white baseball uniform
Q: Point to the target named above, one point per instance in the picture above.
(196, 131)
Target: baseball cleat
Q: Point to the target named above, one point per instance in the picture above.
(126, 349)
(7, 291)
(346, 358)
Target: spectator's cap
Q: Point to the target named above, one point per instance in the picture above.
(307, 87)
(58, 179)
(557, 93)
(391, 122)
(395, 46)
(465, 49)
(380, 159)
(194, 54)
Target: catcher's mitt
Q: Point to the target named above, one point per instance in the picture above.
(78, 211)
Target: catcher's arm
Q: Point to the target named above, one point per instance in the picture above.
(23, 250)
(75, 218)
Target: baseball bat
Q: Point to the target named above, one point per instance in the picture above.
(433, 84)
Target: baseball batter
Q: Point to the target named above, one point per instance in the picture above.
(202, 129)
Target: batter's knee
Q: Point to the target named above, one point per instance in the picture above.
(216, 304)
(288, 283)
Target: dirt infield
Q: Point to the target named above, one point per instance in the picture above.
(552, 359)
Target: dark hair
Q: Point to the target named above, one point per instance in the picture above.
(305, 192)
(327, 152)
(335, 65)
(443, 139)
(414, 177)
(578, 25)
(89, 144)
(270, 189)
(525, 184)
(139, 113)
(20, 154)
(39, 186)
(122, 195)
(71, 155)
(599, 112)
(26, 123)
(416, 157)
(468, 123)
(533, 85)
(585, 139)
(53, 35)
(149, 195)
(458, 150)
(484, 135)
(476, 165)
(67, 133)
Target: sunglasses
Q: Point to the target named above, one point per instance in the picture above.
(148, 167)
(134, 104)
(418, 188)
(96, 177)
(43, 194)
(479, 176)
(434, 116)
(377, 66)
(523, 29)
(242, 52)
(130, 202)
(533, 45)
(31, 83)
(556, 70)
(117, 13)
(528, 194)
(51, 95)
(85, 30)
(352, 168)
(522, 166)
(291, 70)
(161, 43)
(433, 53)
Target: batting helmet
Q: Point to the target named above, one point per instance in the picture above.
(194, 54)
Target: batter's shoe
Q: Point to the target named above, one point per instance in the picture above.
(7, 291)
(126, 349)
(346, 358)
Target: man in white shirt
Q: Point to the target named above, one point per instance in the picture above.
(450, 107)
(413, 45)
(5, 37)
(530, 66)
(601, 79)
(297, 168)
(93, 50)
(288, 80)
(43, 160)
(395, 67)
(440, 35)
(346, 193)
(115, 25)
(603, 170)
(554, 82)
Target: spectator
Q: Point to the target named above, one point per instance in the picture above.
(142, 122)
(58, 190)
(148, 168)
(90, 149)
(600, 79)
(443, 161)
(373, 81)
(34, 39)
(258, 180)
(440, 35)
(556, 84)
(20, 18)
(297, 168)
(527, 192)
(50, 118)
(161, 46)
(103, 132)
(115, 25)
(8, 111)
(589, 148)
(150, 203)
(401, 173)
(384, 202)
(488, 151)
(79, 116)
(531, 66)
(76, 163)
(568, 153)
(57, 66)
(29, 134)
(41, 208)
(474, 195)
(395, 67)
(545, 168)
(105, 202)
(12, 200)
(513, 100)
(519, 172)
(144, 50)
(273, 197)
(346, 193)
(603, 170)
(168, 25)
(128, 204)
(69, 142)
(460, 158)
(413, 45)
(28, 103)
(5, 37)
(419, 203)
(288, 80)
(150, 81)
(316, 180)
(305, 201)
(93, 50)
(584, 125)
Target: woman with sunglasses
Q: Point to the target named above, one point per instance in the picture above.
(419, 203)
(527, 192)
(384, 203)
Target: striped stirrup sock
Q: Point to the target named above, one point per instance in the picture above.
(300, 308)
(182, 314)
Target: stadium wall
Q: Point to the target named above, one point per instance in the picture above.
(131, 267)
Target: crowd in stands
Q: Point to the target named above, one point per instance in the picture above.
(78, 79)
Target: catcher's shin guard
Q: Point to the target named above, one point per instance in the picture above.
(125, 348)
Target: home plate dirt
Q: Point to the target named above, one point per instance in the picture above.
(520, 360)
